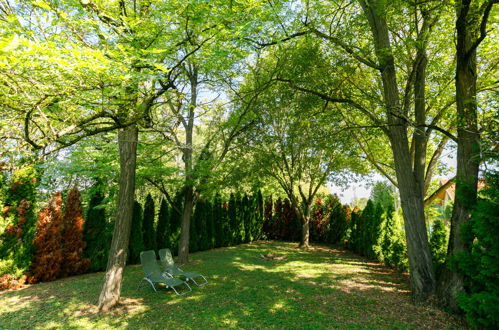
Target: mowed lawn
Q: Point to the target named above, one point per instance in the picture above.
(320, 287)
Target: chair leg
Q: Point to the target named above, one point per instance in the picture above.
(202, 284)
(150, 282)
(181, 294)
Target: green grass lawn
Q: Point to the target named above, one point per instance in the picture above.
(317, 288)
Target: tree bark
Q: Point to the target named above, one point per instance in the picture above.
(450, 283)
(420, 263)
(183, 247)
(111, 290)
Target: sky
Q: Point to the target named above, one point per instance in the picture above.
(363, 187)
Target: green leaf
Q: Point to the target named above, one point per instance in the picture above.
(161, 67)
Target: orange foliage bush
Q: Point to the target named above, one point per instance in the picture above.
(49, 254)
(72, 236)
(9, 282)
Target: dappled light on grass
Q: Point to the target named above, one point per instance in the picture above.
(315, 288)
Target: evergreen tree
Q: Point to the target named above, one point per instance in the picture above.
(480, 263)
(136, 243)
(97, 232)
(16, 242)
(438, 244)
(217, 221)
(175, 222)
(246, 215)
(49, 255)
(148, 224)
(163, 231)
(210, 226)
(268, 218)
(259, 217)
(233, 221)
(195, 227)
(72, 236)
(337, 224)
(393, 244)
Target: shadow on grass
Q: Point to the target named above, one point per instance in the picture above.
(318, 288)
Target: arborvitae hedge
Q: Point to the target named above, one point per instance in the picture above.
(16, 242)
(97, 231)
(148, 224)
(136, 243)
(163, 231)
(72, 236)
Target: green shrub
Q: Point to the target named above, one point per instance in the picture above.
(136, 243)
(393, 245)
(480, 264)
(163, 229)
(439, 239)
(97, 231)
(149, 235)
(16, 241)
(176, 221)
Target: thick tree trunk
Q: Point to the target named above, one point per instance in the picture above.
(420, 263)
(183, 247)
(305, 228)
(410, 188)
(468, 154)
(110, 294)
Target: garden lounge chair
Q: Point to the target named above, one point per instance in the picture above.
(169, 267)
(154, 275)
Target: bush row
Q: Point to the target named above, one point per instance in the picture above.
(214, 223)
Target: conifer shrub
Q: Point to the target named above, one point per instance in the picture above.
(195, 227)
(72, 236)
(268, 220)
(439, 239)
(136, 243)
(393, 245)
(318, 221)
(227, 232)
(176, 221)
(259, 216)
(148, 224)
(19, 219)
(163, 230)
(338, 222)
(218, 221)
(480, 263)
(97, 231)
(233, 220)
(49, 254)
(210, 226)
(354, 242)
(246, 215)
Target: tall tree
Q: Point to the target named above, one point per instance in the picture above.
(471, 29)
(298, 139)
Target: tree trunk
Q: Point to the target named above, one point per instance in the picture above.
(183, 247)
(468, 152)
(305, 227)
(110, 294)
(420, 263)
